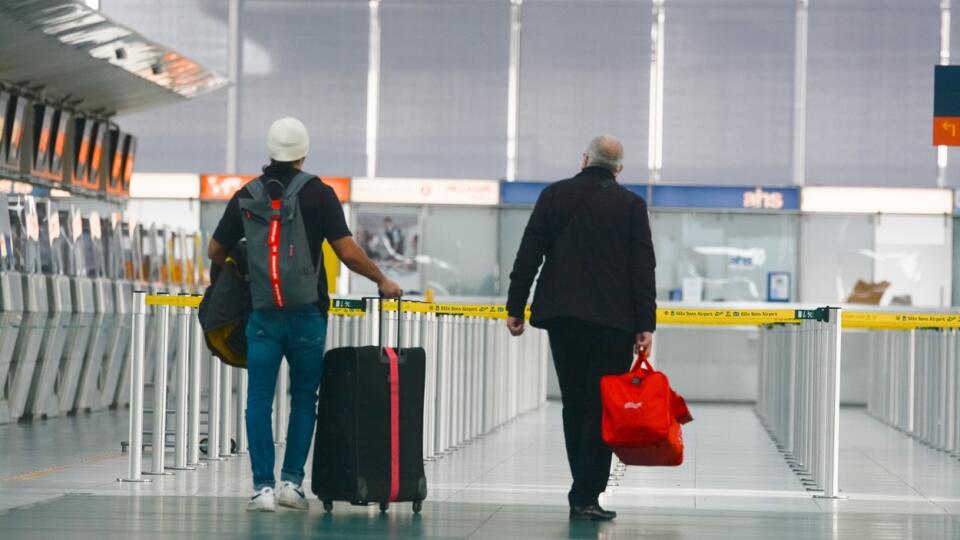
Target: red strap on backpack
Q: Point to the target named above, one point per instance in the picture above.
(273, 244)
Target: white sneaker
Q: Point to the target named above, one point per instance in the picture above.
(262, 501)
(291, 496)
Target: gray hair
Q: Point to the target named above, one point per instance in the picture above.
(605, 151)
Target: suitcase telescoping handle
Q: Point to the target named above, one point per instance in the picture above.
(399, 318)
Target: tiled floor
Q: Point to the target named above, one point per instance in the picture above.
(57, 480)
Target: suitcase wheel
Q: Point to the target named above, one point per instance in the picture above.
(384, 506)
(417, 506)
(328, 506)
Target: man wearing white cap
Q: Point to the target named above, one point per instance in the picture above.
(285, 215)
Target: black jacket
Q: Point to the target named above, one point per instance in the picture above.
(599, 267)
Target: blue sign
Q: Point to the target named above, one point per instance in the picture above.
(527, 193)
(946, 91)
(722, 197)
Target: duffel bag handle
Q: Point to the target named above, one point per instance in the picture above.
(641, 361)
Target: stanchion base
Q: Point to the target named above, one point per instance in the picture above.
(242, 454)
(197, 465)
(227, 456)
(835, 498)
(164, 473)
(132, 481)
(213, 459)
(187, 468)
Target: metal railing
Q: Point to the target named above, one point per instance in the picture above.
(799, 395)
(478, 378)
(914, 377)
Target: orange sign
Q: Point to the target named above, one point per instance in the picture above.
(946, 131)
(222, 187)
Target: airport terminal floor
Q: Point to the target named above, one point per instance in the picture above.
(58, 480)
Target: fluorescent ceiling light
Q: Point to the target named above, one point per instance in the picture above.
(851, 200)
(164, 186)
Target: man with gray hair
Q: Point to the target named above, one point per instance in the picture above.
(596, 297)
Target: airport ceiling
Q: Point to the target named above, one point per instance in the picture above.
(67, 53)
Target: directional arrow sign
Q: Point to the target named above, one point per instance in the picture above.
(946, 106)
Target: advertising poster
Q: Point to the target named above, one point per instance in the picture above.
(392, 241)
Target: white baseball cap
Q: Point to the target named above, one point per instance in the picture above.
(287, 140)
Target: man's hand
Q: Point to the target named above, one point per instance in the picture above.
(644, 342)
(389, 288)
(515, 325)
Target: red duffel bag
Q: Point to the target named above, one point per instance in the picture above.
(642, 416)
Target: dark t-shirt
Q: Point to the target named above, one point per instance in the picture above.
(322, 217)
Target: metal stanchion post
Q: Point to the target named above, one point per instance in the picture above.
(241, 429)
(196, 365)
(213, 416)
(832, 435)
(159, 438)
(226, 407)
(282, 409)
(183, 385)
(138, 342)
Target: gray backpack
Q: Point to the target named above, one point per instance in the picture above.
(281, 269)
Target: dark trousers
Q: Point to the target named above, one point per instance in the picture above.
(582, 353)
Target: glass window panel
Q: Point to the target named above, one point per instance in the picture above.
(731, 254)
(728, 91)
(956, 263)
(460, 248)
(913, 254)
(443, 96)
(513, 221)
(830, 269)
(870, 90)
(306, 59)
(585, 71)
(451, 250)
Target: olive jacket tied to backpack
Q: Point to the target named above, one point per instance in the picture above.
(226, 307)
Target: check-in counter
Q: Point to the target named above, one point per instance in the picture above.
(75, 349)
(11, 319)
(102, 332)
(43, 390)
(115, 375)
(30, 338)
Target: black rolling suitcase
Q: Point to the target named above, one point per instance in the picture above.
(368, 446)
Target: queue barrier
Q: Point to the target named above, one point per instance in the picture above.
(798, 399)
(914, 377)
(478, 378)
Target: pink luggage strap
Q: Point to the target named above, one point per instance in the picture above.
(394, 423)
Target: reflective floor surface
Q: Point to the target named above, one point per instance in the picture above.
(57, 480)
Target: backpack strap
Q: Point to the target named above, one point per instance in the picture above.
(256, 188)
(296, 184)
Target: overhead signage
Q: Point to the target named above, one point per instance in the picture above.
(946, 106)
(164, 186)
(425, 191)
(527, 193)
(221, 187)
(726, 197)
(852, 200)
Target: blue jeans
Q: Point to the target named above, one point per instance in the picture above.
(299, 334)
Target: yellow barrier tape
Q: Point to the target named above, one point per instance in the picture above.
(701, 317)
(174, 301)
(725, 317)
(899, 321)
